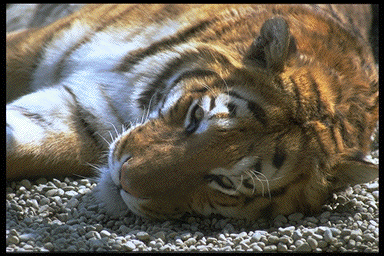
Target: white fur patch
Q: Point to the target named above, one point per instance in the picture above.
(50, 104)
(109, 194)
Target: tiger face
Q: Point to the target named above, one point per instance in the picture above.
(229, 139)
(212, 147)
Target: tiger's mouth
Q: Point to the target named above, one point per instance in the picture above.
(127, 196)
(125, 188)
(123, 184)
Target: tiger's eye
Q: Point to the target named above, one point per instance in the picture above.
(199, 113)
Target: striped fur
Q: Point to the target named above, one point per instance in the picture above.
(241, 110)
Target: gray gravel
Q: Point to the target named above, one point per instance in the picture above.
(63, 215)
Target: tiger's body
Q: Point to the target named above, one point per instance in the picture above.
(241, 110)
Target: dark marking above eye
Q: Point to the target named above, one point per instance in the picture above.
(247, 184)
(221, 180)
(231, 109)
(212, 103)
(278, 158)
(258, 112)
(257, 166)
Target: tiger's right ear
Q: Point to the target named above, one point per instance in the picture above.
(273, 46)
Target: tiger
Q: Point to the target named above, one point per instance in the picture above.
(244, 111)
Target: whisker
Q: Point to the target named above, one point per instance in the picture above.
(253, 181)
(149, 106)
(266, 180)
(225, 83)
(261, 180)
(110, 134)
(252, 173)
(142, 117)
(238, 187)
(262, 184)
(109, 143)
(114, 127)
(98, 168)
(104, 154)
(80, 176)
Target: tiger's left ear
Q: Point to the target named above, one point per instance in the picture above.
(273, 46)
(353, 170)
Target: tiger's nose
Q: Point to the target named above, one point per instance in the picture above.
(125, 180)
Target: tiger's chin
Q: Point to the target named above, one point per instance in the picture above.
(117, 202)
(108, 193)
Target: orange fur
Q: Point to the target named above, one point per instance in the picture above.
(316, 80)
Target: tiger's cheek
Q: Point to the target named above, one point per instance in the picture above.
(164, 163)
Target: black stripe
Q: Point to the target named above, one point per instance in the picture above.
(278, 191)
(236, 95)
(136, 56)
(212, 103)
(315, 89)
(343, 130)
(299, 107)
(232, 109)
(110, 105)
(159, 84)
(333, 135)
(211, 204)
(102, 25)
(219, 180)
(247, 184)
(274, 193)
(323, 148)
(195, 73)
(34, 117)
(257, 111)
(257, 166)
(83, 119)
(200, 90)
(248, 200)
(279, 157)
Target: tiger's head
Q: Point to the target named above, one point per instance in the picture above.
(258, 136)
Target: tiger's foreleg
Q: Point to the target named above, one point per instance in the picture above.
(48, 133)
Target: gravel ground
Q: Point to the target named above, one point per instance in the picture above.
(63, 215)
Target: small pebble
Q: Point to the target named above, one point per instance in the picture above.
(13, 240)
(72, 203)
(273, 239)
(281, 247)
(287, 231)
(328, 237)
(257, 236)
(312, 242)
(26, 183)
(270, 248)
(129, 246)
(296, 216)
(143, 236)
(305, 247)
